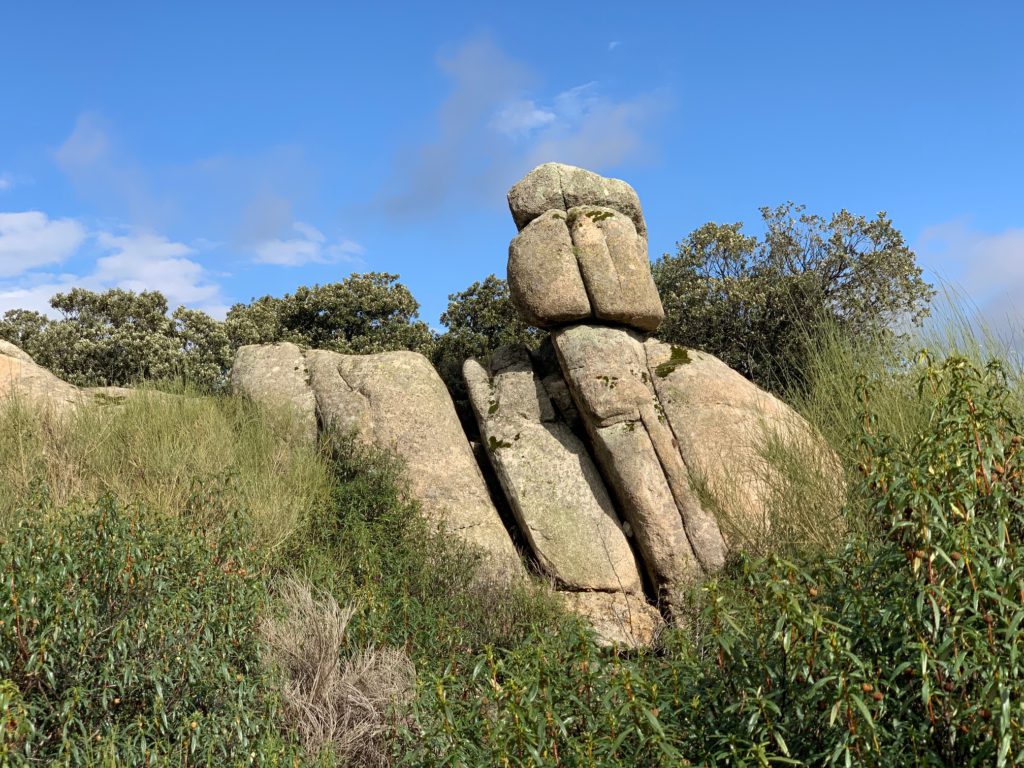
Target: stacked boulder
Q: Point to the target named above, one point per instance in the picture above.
(662, 432)
(630, 467)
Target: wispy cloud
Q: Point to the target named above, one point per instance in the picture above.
(133, 260)
(6, 182)
(309, 246)
(987, 266)
(613, 45)
(103, 172)
(494, 126)
(245, 203)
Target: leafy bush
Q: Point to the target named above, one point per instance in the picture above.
(130, 639)
(362, 314)
(902, 649)
(120, 337)
(761, 304)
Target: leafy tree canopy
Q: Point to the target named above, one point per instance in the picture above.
(479, 320)
(119, 337)
(759, 303)
(363, 314)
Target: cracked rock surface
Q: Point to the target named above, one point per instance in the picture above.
(395, 401)
(555, 491)
(584, 256)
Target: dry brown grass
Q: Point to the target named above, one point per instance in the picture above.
(345, 705)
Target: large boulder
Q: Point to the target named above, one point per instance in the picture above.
(561, 187)
(583, 258)
(22, 380)
(275, 376)
(411, 414)
(553, 487)
(726, 429)
(607, 372)
(588, 263)
(543, 274)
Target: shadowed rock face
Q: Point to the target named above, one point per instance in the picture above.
(553, 487)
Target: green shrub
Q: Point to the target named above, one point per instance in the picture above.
(131, 639)
(902, 649)
(415, 587)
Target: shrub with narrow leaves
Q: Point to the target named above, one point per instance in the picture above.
(904, 648)
(126, 639)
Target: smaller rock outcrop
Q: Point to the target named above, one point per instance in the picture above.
(617, 618)
(21, 379)
(275, 376)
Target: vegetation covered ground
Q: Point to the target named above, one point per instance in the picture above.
(181, 586)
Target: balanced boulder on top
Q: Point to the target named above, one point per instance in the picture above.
(585, 257)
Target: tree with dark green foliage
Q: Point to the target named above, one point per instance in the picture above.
(760, 303)
(479, 320)
(362, 314)
(120, 337)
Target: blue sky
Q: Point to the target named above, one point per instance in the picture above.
(221, 151)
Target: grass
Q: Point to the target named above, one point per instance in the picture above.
(885, 636)
(158, 450)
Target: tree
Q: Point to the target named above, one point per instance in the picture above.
(761, 304)
(479, 320)
(120, 337)
(363, 314)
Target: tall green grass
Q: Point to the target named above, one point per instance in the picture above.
(158, 450)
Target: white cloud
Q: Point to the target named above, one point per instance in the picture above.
(521, 117)
(6, 182)
(134, 261)
(146, 261)
(987, 266)
(491, 129)
(310, 246)
(31, 239)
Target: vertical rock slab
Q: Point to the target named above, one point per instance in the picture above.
(553, 487)
(607, 372)
(723, 424)
(544, 278)
(275, 376)
(616, 271)
(411, 414)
